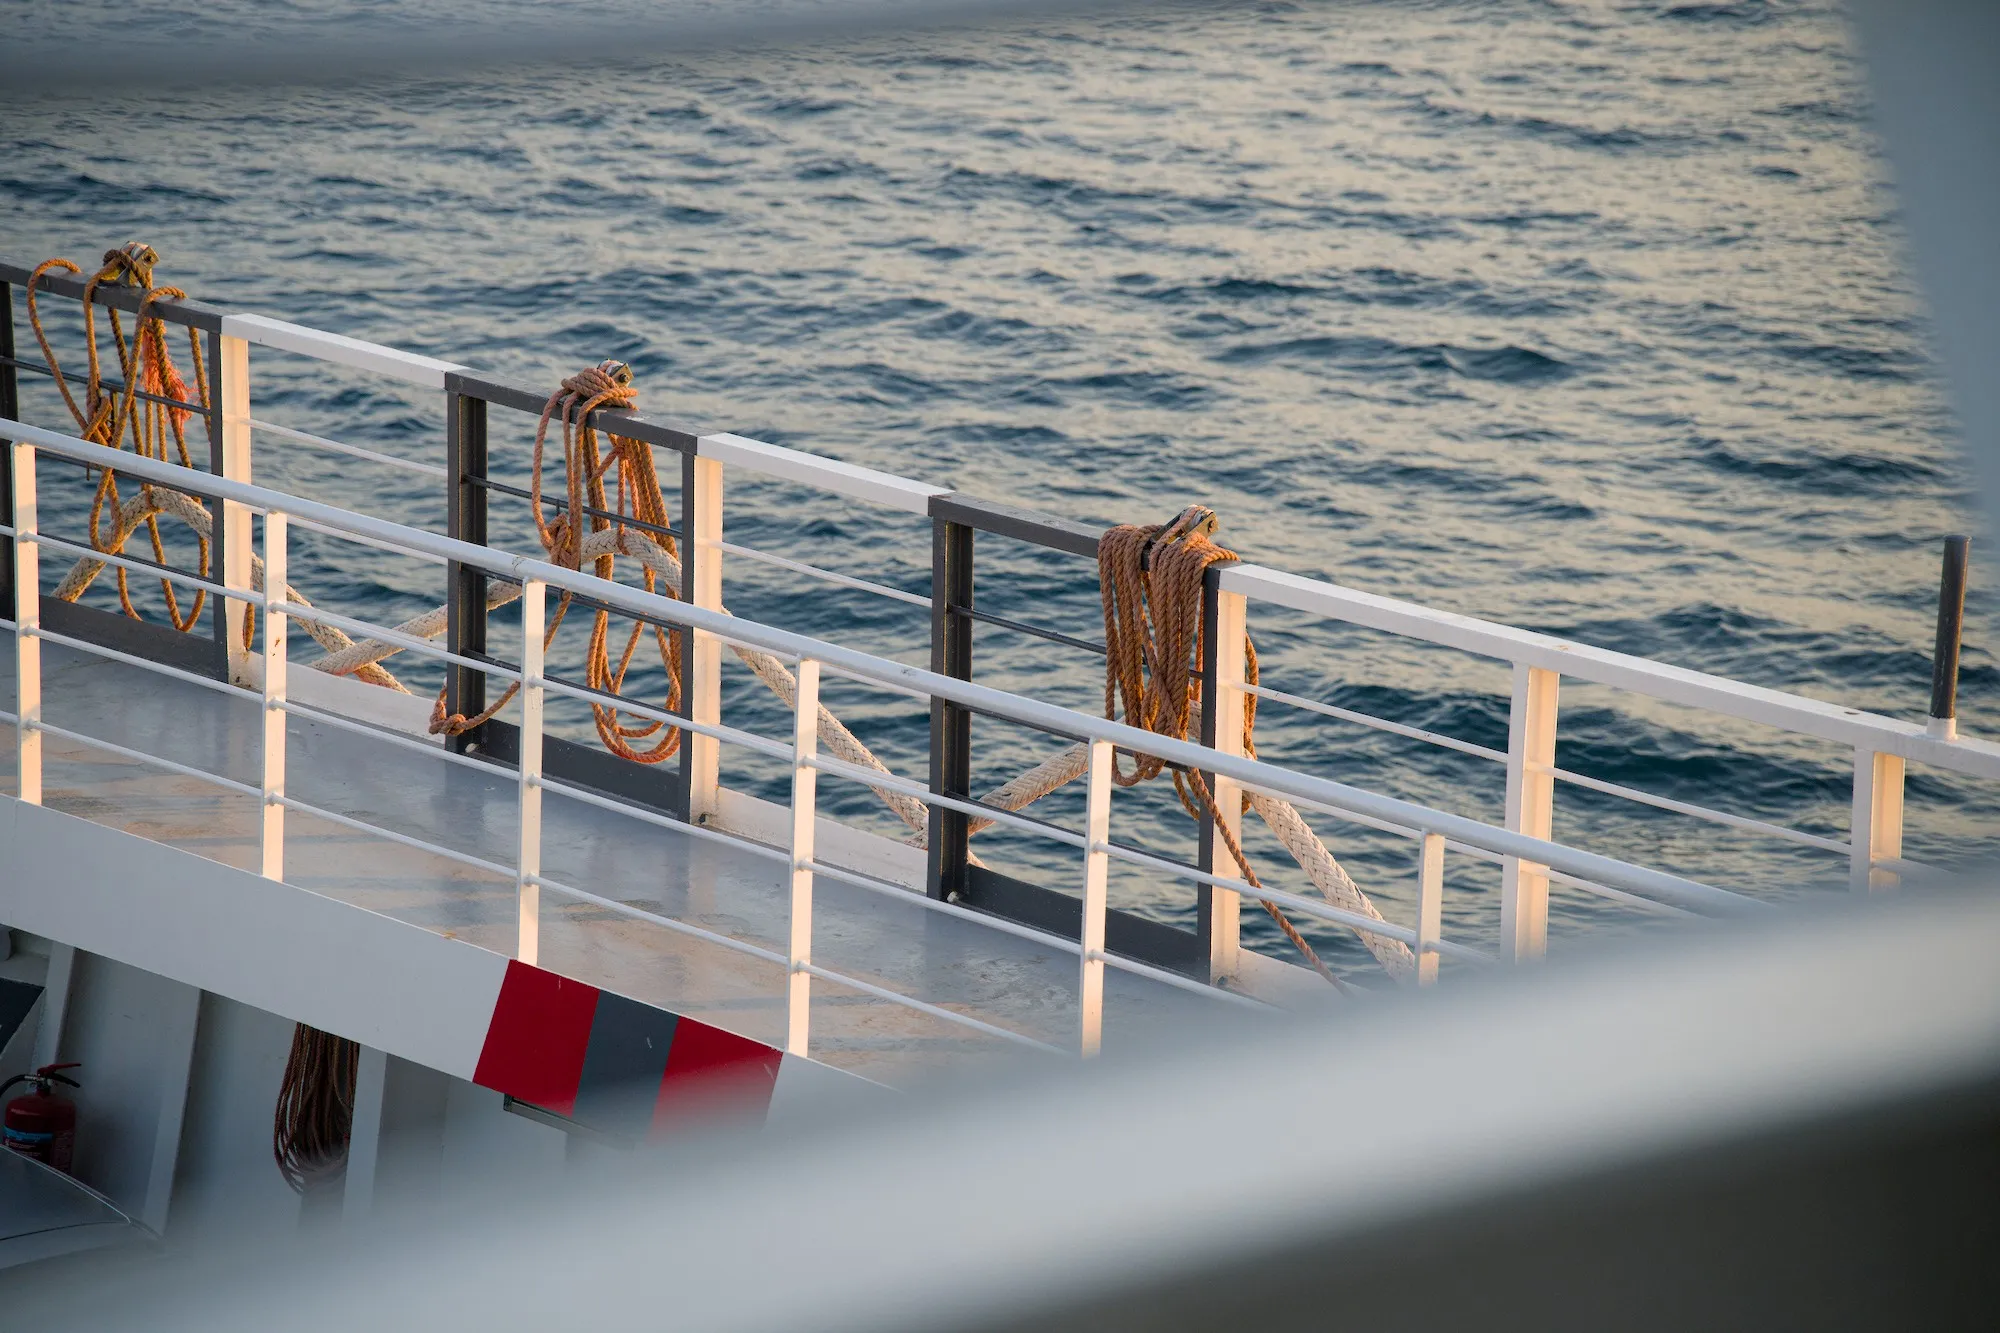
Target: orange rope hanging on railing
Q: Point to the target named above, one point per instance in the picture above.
(1150, 580)
(635, 488)
(109, 418)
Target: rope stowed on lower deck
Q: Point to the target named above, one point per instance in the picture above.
(315, 1116)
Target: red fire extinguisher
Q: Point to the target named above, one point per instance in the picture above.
(41, 1123)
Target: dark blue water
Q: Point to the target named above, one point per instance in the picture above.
(1589, 318)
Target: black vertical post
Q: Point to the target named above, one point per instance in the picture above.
(465, 587)
(1950, 628)
(1204, 894)
(10, 407)
(951, 725)
(219, 535)
(688, 537)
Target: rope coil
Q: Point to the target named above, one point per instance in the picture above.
(1150, 580)
(315, 1115)
(105, 418)
(629, 466)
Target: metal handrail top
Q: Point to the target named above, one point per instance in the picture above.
(1044, 716)
(1641, 675)
(1604, 666)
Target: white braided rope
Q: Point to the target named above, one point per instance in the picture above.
(1333, 882)
(844, 744)
(126, 519)
(1327, 874)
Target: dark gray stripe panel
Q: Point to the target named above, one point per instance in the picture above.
(622, 1066)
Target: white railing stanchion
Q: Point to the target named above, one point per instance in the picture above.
(1430, 905)
(1096, 894)
(271, 839)
(233, 384)
(1231, 649)
(528, 855)
(805, 787)
(1877, 831)
(1531, 761)
(704, 685)
(27, 624)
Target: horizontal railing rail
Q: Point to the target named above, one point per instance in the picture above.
(862, 666)
(1602, 666)
(112, 296)
(1647, 676)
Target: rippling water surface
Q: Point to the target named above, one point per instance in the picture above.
(1583, 317)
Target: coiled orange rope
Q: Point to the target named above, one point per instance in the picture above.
(628, 466)
(1150, 581)
(108, 418)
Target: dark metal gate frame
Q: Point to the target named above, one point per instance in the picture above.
(955, 519)
(140, 638)
(467, 401)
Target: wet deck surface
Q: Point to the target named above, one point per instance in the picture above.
(982, 973)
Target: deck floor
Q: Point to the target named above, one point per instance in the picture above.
(984, 974)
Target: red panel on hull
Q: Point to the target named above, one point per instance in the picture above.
(708, 1071)
(535, 1045)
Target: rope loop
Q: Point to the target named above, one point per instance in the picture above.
(1150, 580)
(314, 1119)
(108, 417)
(603, 489)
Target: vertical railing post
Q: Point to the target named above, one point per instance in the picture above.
(1096, 900)
(1430, 905)
(951, 725)
(1876, 833)
(27, 626)
(805, 786)
(10, 407)
(1531, 758)
(703, 480)
(528, 855)
(1950, 632)
(465, 585)
(272, 838)
(233, 534)
(1219, 911)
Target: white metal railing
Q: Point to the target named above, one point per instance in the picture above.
(350, 450)
(1435, 831)
(1881, 746)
